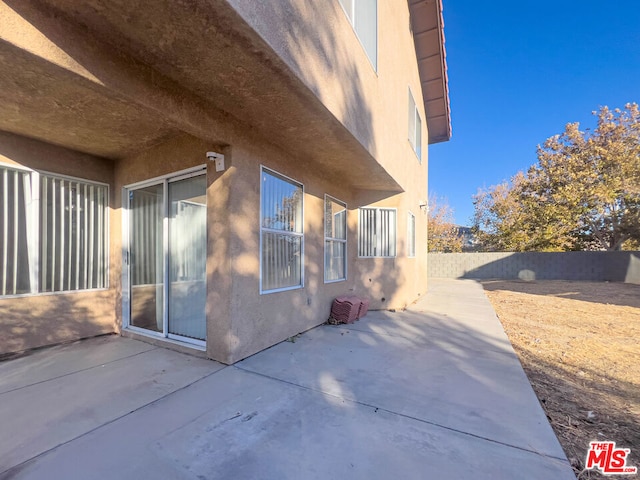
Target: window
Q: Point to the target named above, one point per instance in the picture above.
(415, 128)
(16, 219)
(411, 235)
(335, 240)
(53, 233)
(281, 233)
(377, 232)
(72, 234)
(363, 15)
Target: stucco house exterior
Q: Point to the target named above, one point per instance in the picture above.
(210, 174)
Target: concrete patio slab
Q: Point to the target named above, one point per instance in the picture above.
(483, 393)
(234, 424)
(435, 327)
(448, 355)
(62, 360)
(418, 394)
(43, 414)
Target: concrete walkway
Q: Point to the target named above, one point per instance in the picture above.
(432, 392)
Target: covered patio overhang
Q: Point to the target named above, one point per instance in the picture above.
(111, 79)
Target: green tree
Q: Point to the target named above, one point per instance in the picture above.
(442, 232)
(504, 222)
(582, 194)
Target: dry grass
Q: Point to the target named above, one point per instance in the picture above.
(579, 345)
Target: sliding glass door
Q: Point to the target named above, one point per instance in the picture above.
(146, 254)
(167, 241)
(187, 257)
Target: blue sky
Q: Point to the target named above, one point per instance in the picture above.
(519, 71)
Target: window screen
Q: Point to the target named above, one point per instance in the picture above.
(411, 235)
(53, 233)
(377, 232)
(363, 15)
(335, 240)
(415, 127)
(281, 232)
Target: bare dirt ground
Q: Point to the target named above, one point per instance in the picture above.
(579, 343)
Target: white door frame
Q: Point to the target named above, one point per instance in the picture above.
(163, 180)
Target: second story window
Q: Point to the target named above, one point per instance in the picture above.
(411, 235)
(363, 15)
(415, 128)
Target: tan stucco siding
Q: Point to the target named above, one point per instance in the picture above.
(318, 43)
(240, 320)
(46, 319)
(338, 121)
(29, 321)
(260, 320)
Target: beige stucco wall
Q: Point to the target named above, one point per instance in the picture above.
(258, 321)
(29, 321)
(319, 45)
(241, 321)
(47, 319)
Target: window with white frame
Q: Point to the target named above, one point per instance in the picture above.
(363, 15)
(53, 235)
(411, 235)
(281, 232)
(377, 232)
(16, 222)
(415, 127)
(335, 240)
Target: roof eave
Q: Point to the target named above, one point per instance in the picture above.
(427, 23)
